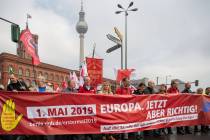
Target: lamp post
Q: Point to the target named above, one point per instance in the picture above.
(125, 11)
(167, 78)
(157, 80)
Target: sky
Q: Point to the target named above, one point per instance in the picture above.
(165, 37)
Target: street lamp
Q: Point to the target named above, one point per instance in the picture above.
(157, 80)
(167, 78)
(126, 14)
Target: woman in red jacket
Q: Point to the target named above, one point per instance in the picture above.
(174, 87)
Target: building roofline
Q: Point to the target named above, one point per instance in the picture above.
(13, 57)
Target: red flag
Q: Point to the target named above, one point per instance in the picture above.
(123, 74)
(83, 73)
(95, 70)
(30, 45)
(64, 85)
(83, 70)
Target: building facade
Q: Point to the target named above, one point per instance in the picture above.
(24, 70)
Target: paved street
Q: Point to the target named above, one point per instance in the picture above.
(197, 136)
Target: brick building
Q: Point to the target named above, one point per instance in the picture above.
(24, 70)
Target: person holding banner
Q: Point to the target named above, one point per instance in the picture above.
(140, 90)
(124, 90)
(42, 86)
(199, 91)
(162, 90)
(187, 90)
(71, 87)
(174, 89)
(205, 128)
(16, 85)
(87, 88)
(207, 91)
(125, 87)
(150, 89)
(106, 89)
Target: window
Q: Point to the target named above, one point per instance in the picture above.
(56, 78)
(27, 73)
(40, 73)
(33, 74)
(20, 79)
(11, 69)
(28, 82)
(51, 77)
(33, 83)
(20, 72)
(46, 76)
(62, 79)
(67, 79)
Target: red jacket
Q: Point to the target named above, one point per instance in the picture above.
(173, 90)
(83, 89)
(124, 91)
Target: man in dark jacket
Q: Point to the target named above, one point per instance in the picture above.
(71, 88)
(151, 88)
(187, 90)
(16, 85)
(140, 89)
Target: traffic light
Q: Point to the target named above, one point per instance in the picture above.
(196, 83)
(15, 32)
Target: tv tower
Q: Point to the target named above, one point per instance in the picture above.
(81, 28)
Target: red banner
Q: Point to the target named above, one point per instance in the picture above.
(57, 113)
(95, 70)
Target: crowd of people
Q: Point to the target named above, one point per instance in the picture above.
(124, 89)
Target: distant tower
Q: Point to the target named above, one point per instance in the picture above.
(81, 28)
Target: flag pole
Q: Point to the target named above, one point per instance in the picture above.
(94, 47)
(34, 71)
(27, 21)
(27, 17)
